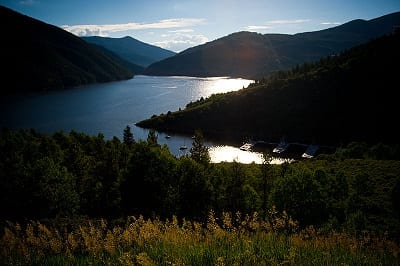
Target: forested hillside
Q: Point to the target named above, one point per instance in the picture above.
(39, 56)
(73, 175)
(342, 98)
(252, 55)
(132, 50)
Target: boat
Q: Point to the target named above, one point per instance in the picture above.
(246, 146)
(183, 147)
(167, 136)
(282, 146)
(310, 151)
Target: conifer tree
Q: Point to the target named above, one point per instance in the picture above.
(128, 136)
(199, 152)
(152, 138)
(266, 167)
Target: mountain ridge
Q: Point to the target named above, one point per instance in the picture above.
(250, 54)
(131, 49)
(41, 56)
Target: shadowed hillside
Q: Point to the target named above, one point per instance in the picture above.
(132, 50)
(349, 97)
(39, 56)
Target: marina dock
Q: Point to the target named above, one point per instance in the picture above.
(282, 146)
(287, 149)
(247, 146)
(310, 152)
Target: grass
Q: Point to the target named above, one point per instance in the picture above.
(225, 240)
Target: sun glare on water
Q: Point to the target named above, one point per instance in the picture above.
(229, 154)
(222, 85)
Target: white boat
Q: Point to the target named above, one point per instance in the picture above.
(246, 146)
(310, 152)
(282, 146)
(167, 136)
(183, 147)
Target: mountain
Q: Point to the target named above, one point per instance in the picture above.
(248, 54)
(132, 50)
(135, 68)
(348, 97)
(39, 56)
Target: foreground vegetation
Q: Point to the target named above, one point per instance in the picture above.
(83, 192)
(230, 240)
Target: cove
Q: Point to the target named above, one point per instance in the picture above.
(109, 107)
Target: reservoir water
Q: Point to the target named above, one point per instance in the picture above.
(108, 108)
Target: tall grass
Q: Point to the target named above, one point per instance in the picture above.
(224, 240)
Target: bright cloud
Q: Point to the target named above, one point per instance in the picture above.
(178, 41)
(27, 2)
(288, 21)
(181, 31)
(275, 24)
(330, 23)
(106, 29)
(260, 27)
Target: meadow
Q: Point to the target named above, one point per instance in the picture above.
(230, 239)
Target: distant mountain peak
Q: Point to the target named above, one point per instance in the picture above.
(131, 49)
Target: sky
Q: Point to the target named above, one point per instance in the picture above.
(179, 24)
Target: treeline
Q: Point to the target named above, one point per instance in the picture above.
(73, 175)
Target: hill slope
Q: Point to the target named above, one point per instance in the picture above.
(39, 56)
(132, 50)
(246, 54)
(350, 97)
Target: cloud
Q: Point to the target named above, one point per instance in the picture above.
(288, 21)
(106, 29)
(179, 41)
(274, 24)
(260, 27)
(180, 31)
(27, 2)
(330, 23)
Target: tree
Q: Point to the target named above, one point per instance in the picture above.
(395, 196)
(199, 152)
(147, 180)
(301, 194)
(266, 166)
(194, 190)
(128, 136)
(152, 137)
(235, 187)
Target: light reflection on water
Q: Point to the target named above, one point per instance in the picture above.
(222, 85)
(107, 108)
(229, 154)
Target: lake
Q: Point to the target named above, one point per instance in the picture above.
(109, 107)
